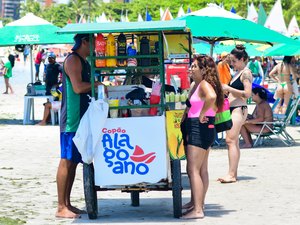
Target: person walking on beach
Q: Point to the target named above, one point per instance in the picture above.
(284, 74)
(7, 73)
(206, 97)
(75, 101)
(26, 53)
(238, 91)
(37, 63)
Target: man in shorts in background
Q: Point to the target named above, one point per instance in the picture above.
(37, 63)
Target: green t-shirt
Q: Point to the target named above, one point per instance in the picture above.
(9, 70)
(254, 67)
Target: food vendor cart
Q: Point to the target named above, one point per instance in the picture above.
(140, 150)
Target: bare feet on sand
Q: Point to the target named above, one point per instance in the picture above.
(246, 145)
(66, 213)
(193, 215)
(228, 179)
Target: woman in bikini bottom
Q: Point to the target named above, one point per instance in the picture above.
(243, 107)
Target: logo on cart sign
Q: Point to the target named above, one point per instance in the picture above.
(121, 156)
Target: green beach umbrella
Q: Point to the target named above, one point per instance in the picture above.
(212, 29)
(32, 30)
(283, 50)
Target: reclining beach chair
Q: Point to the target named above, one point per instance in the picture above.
(278, 126)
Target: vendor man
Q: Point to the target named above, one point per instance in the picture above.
(75, 101)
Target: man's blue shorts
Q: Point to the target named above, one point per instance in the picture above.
(68, 148)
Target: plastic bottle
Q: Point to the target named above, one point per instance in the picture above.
(121, 49)
(100, 47)
(131, 52)
(145, 50)
(111, 50)
(124, 112)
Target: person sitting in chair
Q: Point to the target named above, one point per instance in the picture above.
(261, 113)
(54, 105)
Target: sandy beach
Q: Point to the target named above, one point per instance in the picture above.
(268, 190)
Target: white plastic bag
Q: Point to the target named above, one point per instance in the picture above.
(88, 133)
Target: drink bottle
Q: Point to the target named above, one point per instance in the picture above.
(145, 50)
(121, 49)
(111, 50)
(100, 47)
(131, 52)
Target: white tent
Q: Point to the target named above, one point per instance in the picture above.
(275, 20)
(252, 14)
(293, 28)
(215, 11)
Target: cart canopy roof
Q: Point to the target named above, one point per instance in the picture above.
(126, 27)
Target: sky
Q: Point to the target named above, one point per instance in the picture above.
(62, 1)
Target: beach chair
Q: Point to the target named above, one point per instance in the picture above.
(278, 126)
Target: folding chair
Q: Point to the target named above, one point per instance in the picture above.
(278, 127)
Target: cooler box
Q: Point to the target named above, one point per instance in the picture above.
(40, 89)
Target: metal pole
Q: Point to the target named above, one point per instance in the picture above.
(212, 44)
(31, 62)
(31, 71)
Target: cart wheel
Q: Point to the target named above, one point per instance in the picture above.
(176, 188)
(135, 198)
(90, 192)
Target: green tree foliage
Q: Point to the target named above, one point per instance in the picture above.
(5, 20)
(30, 6)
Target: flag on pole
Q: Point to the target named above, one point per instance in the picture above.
(167, 15)
(233, 10)
(293, 28)
(262, 15)
(122, 17)
(189, 10)
(161, 12)
(140, 18)
(275, 20)
(126, 16)
(82, 19)
(148, 16)
(252, 14)
(180, 12)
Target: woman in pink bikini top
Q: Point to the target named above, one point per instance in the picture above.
(205, 97)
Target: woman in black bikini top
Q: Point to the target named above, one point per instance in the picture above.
(238, 92)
